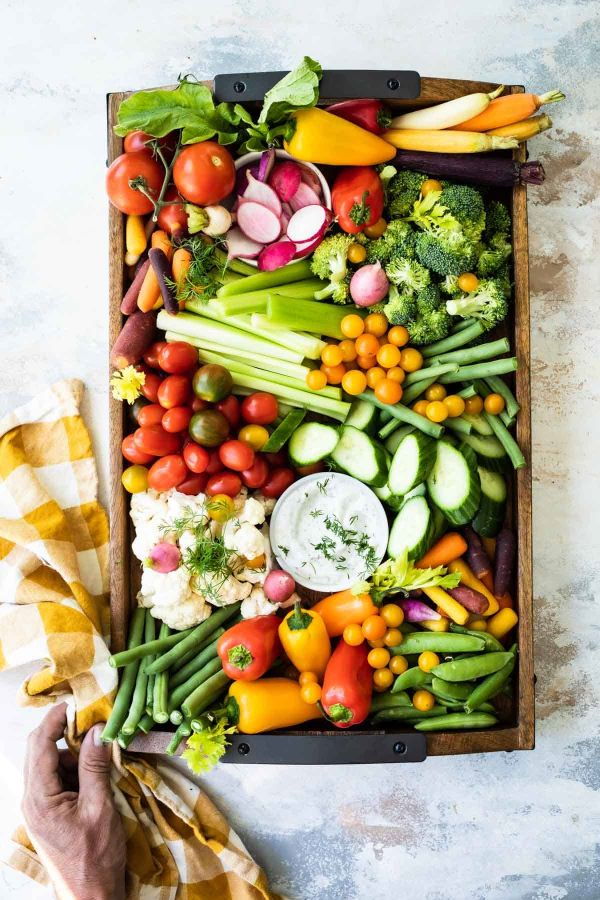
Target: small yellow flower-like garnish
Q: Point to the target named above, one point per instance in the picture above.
(126, 384)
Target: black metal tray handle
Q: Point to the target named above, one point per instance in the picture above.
(334, 748)
(338, 84)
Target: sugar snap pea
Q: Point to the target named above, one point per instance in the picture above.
(491, 643)
(411, 678)
(471, 667)
(408, 713)
(389, 700)
(448, 690)
(453, 721)
(439, 642)
(492, 685)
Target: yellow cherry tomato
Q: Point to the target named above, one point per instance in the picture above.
(467, 282)
(334, 373)
(435, 392)
(307, 678)
(377, 324)
(257, 562)
(429, 185)
(377, 643)
(354, 382)
(376, 230)
(367, 344)
(474, 405)
(398, 664)
(374, 376)
(494, 404)
(135, 479)
(392, 615)
(428, 660)
(478, 625)
(436, 411)
(396, 374)
(311, 693)
(220, 508)
(256, 436)
(423, 700)
(373, 627)
(316, 380)
(352, 326)
(388, 391)
(388, 356)
(393, 637)
(378, 658)
(420, 407)
(331, 355)
(348, 350)
(455, 405)
(353, 635)
(398, 335)
(411, 359)
(382, 679)
(356, 253)
(366, 362)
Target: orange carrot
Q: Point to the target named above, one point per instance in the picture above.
(488, 579)
(181, 262)
(446, 550)
(505, 601)
(508, 109)
(490, 547)
(160, 240)
(149, 292)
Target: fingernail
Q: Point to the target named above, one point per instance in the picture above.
(97, 735)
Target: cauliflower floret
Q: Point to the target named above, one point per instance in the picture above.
(147, 506)
(252, 512)
(226, 591)
(182, 504)
(267, 503)
(244, 539)
(240, 499)
(254, 576)
(146, 537)
(164, 588)
(191, 612)
(257, 604)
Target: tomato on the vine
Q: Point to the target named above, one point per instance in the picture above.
(167, 473)
(172, 217)
(204, 173)
(151, 414)
(228, 483)
(138, 140)
(230, 407)
(236, 455)
(256, 475)
(177, 358)
(150, 387)
(133, 454)
(278, 481)
(144, 173)
(175, 390)
(196, 457)
(176, 419)
(260, 408)
(153, 439)
(152, 353)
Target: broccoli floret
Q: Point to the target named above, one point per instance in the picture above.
(402, 191)
(465, 204)
(431, 327)
(330, 262)
(450, 285)
(429, 214)
(398, 240)
(400, 308)
(497, 219)
(423, 314)
(408, 274)
(488, 303)
(448, 253)
(492, 258)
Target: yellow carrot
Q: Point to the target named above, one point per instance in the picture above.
(470, 580)
(135, 239)
(524, 130)
(448, 604)
(448, 141)
(500, 624)
(436, 624)
(508, 109)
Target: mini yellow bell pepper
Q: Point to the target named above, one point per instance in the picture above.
(270, 703)
(304, 638)
(321, 137)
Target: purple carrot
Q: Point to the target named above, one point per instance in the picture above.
(470, 599)
(162, 268)
(129, 302)
(505, 556)
(415, 611)
(477, 558)
(480, 168)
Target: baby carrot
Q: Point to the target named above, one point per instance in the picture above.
(508, 109)
(468, 578)
(446, 550)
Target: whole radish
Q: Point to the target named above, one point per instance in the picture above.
(164, 557)
(369, 285)
(279, 586)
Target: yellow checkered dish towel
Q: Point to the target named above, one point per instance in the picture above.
(54, 606)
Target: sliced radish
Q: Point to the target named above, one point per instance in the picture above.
(258, 222)
(285, 179)
(311, 179)
(308, 246)
(265, 165)
(240, 245)
(307, 223)
(276, 255)
(304, 196)
(241, 179)
(262, 193)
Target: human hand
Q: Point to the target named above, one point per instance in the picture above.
(70, 813)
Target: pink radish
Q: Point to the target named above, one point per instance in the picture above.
(258, 222)
(262, 193)
(284, 218)
(265, 165)
(307, 223)
(279, 586)
(311, 179)
(369, 285)
(276, 255)
(285, 179)
(304, 196)
(164, 557)
(239, 246)
(241, 180)
(308, 246)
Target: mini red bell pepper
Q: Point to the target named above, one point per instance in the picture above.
(357, 198)
(347, 685)
(249, 648)
(372, 115)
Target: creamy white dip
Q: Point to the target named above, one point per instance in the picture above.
(328, 531)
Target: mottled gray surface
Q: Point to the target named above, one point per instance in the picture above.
(504, 827)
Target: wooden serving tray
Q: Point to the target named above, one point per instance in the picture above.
(375, 745)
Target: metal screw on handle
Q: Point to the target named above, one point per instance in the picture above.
(239, 87)
(393, 84)
(243, 749)
(399, 747)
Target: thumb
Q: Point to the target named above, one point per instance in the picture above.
(94, 763)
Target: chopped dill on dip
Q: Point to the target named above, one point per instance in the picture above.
(333, 529)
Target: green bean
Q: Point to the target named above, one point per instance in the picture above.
(491, 643)
(146, 723)
(122, 702)
(204, 695)
(408, 713)
(193, 653)
(506, 439)
(176, 717)
(138, 702)
(161, 688)
(149, 635)
(471, 667)
(388, 700)
(197, 636)
(179, 694)
(413, 391)
(433, 371)
(467, 392)
(439, 642)
(461, 426)
(489, 350)
(452, 342)
(411, 678)
(462, 323)
(408, 416)
(184, 731)
(125, 739)
(448, 690)
(457, 720)
(194, 665)
(200, 724)
(492, 685)
(134, 653)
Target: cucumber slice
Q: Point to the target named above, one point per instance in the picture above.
(312, 442)
(419, 490)
(453, 483)
(411, 531)
(395, 439)
(439, 525)
(392, 501)
(492, 507)
(412, 462)
(284, 431)
(478, 424)
(490, 451)
(360, 456)
(362, 415)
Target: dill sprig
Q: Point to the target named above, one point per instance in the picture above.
(201, 280)
(210, 562)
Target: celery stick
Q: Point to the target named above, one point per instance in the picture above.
(491, 350)
(308, 315)
(269, 364)
(261, 281)
(431, 372)
(506, 439)
(459, 339)
(314, 400)
(405, 415)
(415, 390)
(480, 370)
(311, 345)
(189, 325)
(254, 301)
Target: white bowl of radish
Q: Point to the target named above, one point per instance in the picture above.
(281, 209)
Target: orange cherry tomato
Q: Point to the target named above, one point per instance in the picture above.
(355, 382)
(455, 405)
(420, 407)
(494, 404)
(392, 615)
(378, 658)
(392, 637)
(388, 391)
(377, 324)
(382, 679)
(331, 355)
(436, 411)
(411, 360)
(352, 325)
(435, 392)
(334, 373)
(398, 335)
(398, 664)
(396, 374)
(388, 356)
(348, 350)
(373, 628)
(474, 405)
(353, 635)
(367, 345)
(468, 282)
(374, 376)
(366, 362)
(316, 380)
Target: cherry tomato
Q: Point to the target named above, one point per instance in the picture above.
(176, 419)
(138, 140)
(198, 404)
(374, 375)
(374, 628)
(236, 455)
(352, 325)
(151, 414)
(331, 355)
(214, 462)
(310, 469)
(256, 474)
(398, 336)
(376, 230)
(468, 282)
(396, 374)
(177, 358)
(398, 665)
(378, 658)
(230, 407)
(193, 485)
(354, 382)
(334, 373)
(388, 391)
(138, 168)
(152, 353)
(220, 508)
(423, 700)
(277, 459)
(474, 405)
(196, 457)
(382, 679)
(348, 350)
(429, 185)
(367, 345)
(132, 454)
(357, 253)
(135, 479)
(167, 473)
(377, 324)
(436, 392)
(153, 439)
(353, 635)
(388, 356)
(454, 404)
(437, 411)
(254, 435)
(366, 362)
(494, 404)
(150, 387)
(204, 173)
(316, 380)
(279, 480)
(392, 615)
(175, 390)
(172, 217)
(228, 483)
(259, 408)
(411, 359)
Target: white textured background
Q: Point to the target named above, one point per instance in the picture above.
(498, 827)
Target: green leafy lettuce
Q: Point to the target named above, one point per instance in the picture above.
(399, 575)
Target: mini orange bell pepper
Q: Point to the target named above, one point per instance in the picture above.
(344, 608)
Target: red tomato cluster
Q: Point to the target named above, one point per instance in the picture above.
(196, 445)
